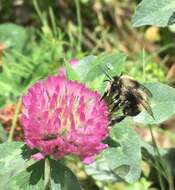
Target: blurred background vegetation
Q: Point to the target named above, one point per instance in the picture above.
(36, 36)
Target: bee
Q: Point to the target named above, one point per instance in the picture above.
(48, 137)
(125, 93)
(53, 136)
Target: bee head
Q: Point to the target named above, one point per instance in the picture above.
(113, 86)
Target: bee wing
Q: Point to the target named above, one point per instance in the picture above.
(147, 107)
(143, 101)
(146, 90)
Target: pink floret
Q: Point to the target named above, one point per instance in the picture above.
(62, 117)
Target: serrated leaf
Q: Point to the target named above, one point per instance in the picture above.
(13, 36)
(154, 12)
(13, 160)
(62, 178)
(30, 179)
(162, 104)
(9, 150)
(121, 162)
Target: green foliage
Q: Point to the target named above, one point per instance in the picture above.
(30, 179)
(162, 104)
(84, 66)
(142, 184)
(71, 73)
(13, 161)
(19, 70)
(120, 163)
(106, 61)
(91, 69)
(29, 58)
(154, 12)
(13, 36)
(145, 68)
(19, 172)
(62, 178)
(9, 158)
(154, 72)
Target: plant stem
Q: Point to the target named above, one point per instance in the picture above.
(170, 179)
(46, 173)
(14, 121)
(53, 22)
(143, 64)
(36, 6)
(77, 3)
(166, 173)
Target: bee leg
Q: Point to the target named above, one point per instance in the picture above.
(116, 106)
(117, 120)
(117, 96)
(115, 100)
(104, 95)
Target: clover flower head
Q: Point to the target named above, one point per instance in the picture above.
(62, 117)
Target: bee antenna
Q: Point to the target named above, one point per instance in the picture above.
(107, 80)
(107, 67)
(121, 74)
(109, 77)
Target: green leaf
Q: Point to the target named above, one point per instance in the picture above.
(147, 147)
(71, 73)
(154, 12)
(13, 160)
(84, 66)
(121, 162)
(17, 171)
(62, 178)
(91, 69)
(10, 157)
(113, 61)
(3, 134)
(2, 100)
(13, 36)
(30, 179)
(5, 85)
(162, 104)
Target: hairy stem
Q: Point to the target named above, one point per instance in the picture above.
(14, 121)
(46, 174)
(77, 3)
(162, 166)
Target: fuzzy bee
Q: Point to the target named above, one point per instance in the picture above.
(125, 93)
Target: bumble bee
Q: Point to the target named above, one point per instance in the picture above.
(48, 137)
(127, 94)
